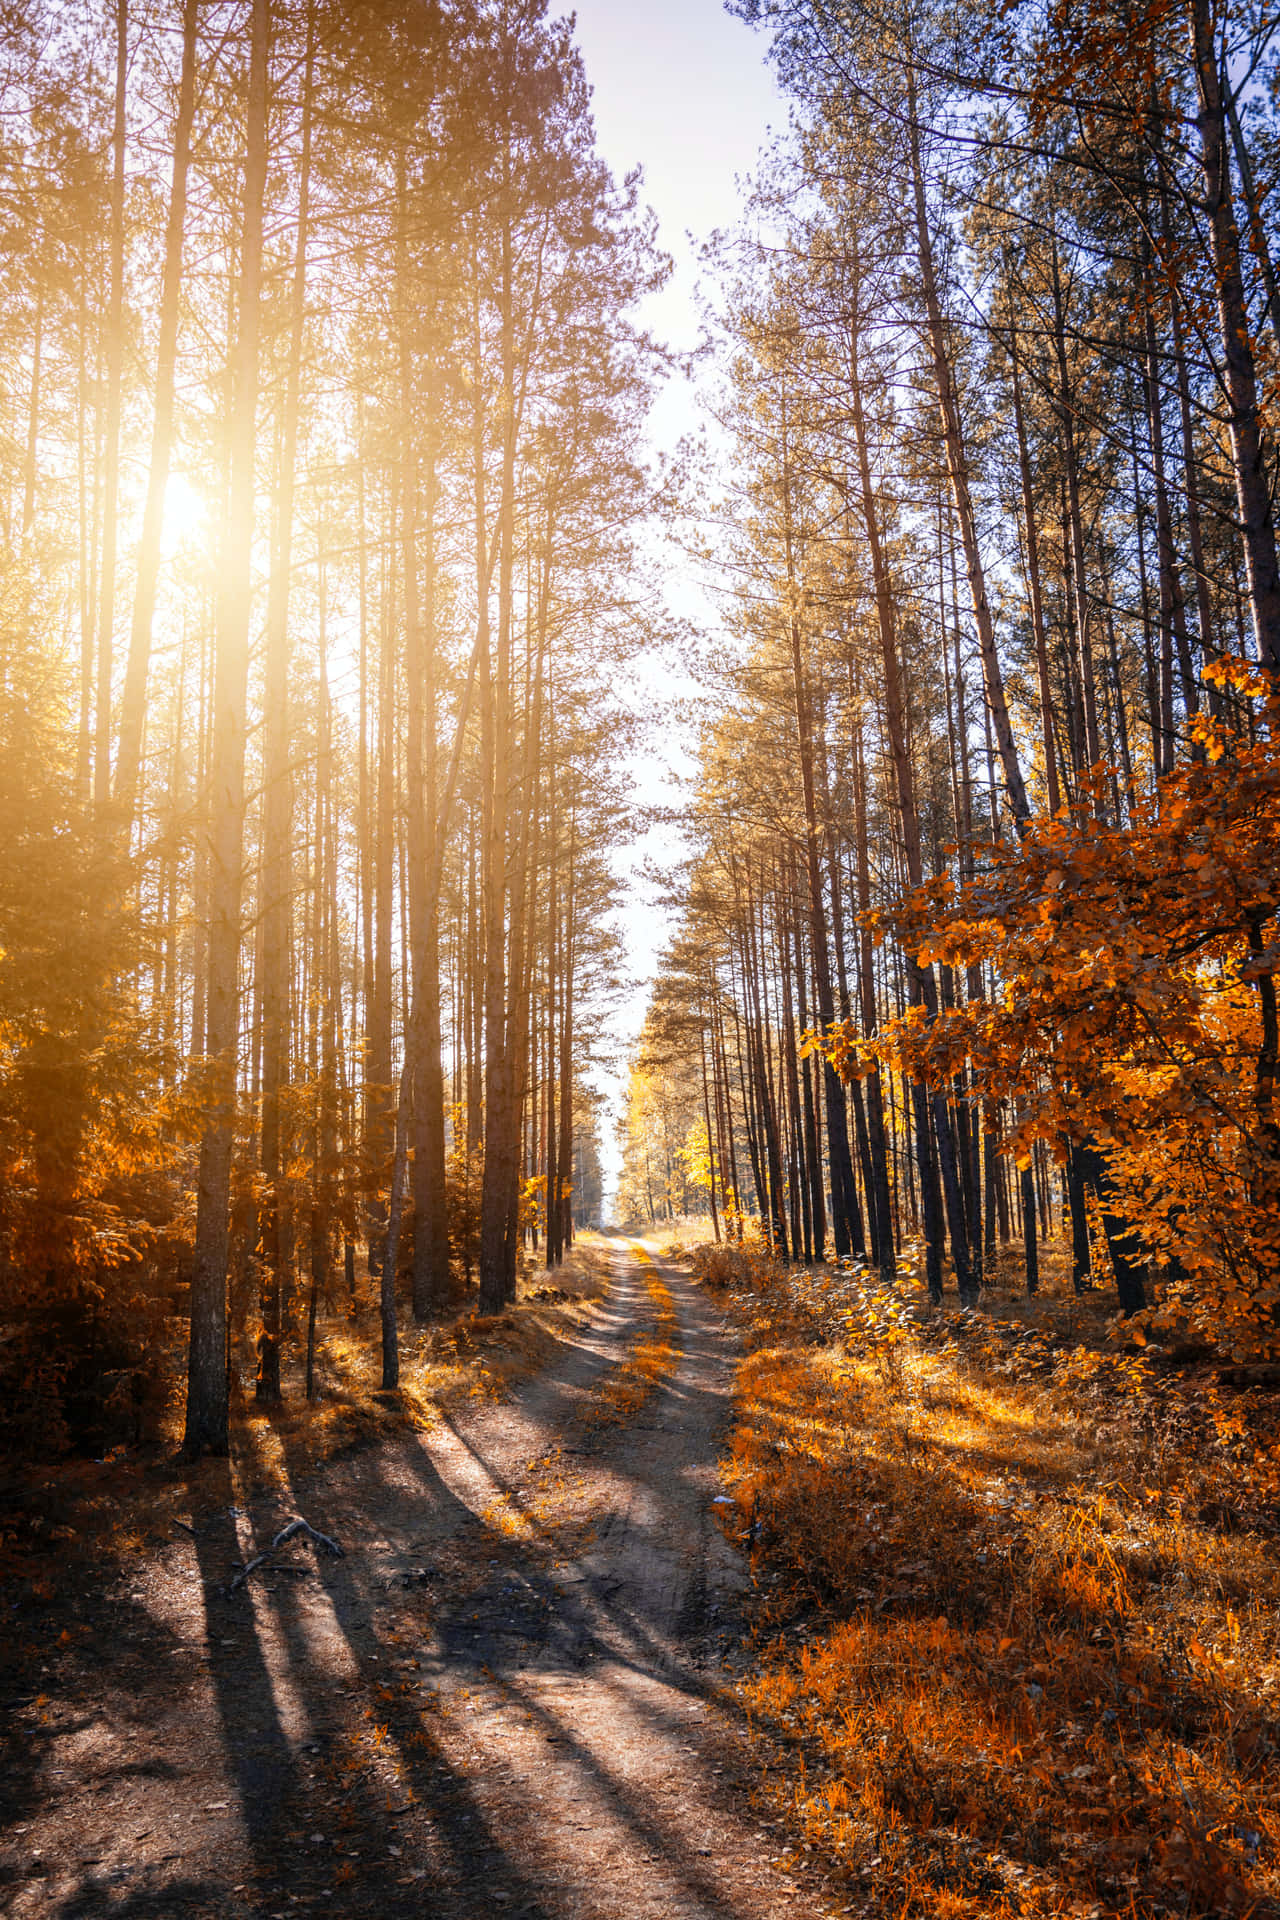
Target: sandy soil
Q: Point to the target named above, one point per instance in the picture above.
(512, 1695)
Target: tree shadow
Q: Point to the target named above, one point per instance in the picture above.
(320, 1732)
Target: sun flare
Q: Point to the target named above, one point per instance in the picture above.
(186, 514)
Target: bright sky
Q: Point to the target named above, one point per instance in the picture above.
(681, 89)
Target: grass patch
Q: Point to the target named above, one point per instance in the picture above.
(625, 1387)
(1016, 1606)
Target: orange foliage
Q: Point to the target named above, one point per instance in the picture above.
(1135, 1010)
(93, 1128)
(1013, 1654)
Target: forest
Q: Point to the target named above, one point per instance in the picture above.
(320, 481)
(976, 937)
(838, 1469)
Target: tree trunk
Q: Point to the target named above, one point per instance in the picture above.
(111, 477)
(207, 1384)
(423, 1036)
(922, 984)
(501, 1115)
(275, 1226)
(958, 474)
(1052, 790)
(1075, 524)
(134, 702)
(1253, 485)
(846, 1215)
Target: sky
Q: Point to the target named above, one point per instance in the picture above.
(681, 89)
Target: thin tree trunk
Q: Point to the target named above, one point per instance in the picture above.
(958, 474)
(1052, 790)
(846, 1218)
(207, 1383)
(1253, 483)
(134, 702)
(870, 1021)
(1075, 524)
(423, 1035)
(111, 452)
(1172, 621)
(275, 1225)
(501, 1167)
(1258, 244)
(923, 986)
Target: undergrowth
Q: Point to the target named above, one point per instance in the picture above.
(1016, 1616)
(129, 1502)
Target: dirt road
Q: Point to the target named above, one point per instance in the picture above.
(508, 1697)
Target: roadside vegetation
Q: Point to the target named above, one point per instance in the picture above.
(128, 1501)
(1015, 1599)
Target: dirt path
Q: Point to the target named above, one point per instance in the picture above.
(507, 1698)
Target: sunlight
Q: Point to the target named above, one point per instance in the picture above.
(639, 932)
(186, 516)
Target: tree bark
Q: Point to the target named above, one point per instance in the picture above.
(423, 1037)
(1034, 595)
(958, 474)
(134, 701)
(275, 1226)
(207, 1384)
(1253, 486)
(922, 985)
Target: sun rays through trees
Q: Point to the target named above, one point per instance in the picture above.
(321, 471)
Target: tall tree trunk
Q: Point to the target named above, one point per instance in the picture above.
(797, 1186)
(1253, 482)
(870, 1020)
(111, 451)
(813, 1156)
(958, 474)
(1258, 243)
(134, 702)
(568, 970)
(1171, 616)
(379, 1090)
(1031, 534)
(207, 1383)
(501, 1145)
(1075, 525)
(1191, 487)
(275, 1223)
(706, 1120)
(922, 984)
(423, 1037)
(846, 1215)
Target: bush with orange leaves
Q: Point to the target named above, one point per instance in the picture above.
(1135, 1010)
(93, 1128)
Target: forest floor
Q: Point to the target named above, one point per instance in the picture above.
(1016, 1600)
(516, 1691)
(667, 1600)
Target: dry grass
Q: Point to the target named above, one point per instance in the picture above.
(128, 1504)
(673, 1239)
(1017, 1606)
(625, 1387)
